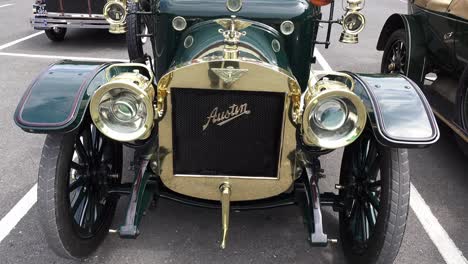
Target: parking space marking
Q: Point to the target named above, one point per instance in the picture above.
(438, 235)
(6, 5)
(445, 245)
(17, 212)
(9, 44)
(321, 60)
(59, 57)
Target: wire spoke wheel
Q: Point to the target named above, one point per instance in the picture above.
(363, 191)
(375, 178)
(77, 169)
(90, 174)
(395, 55)
(396, 60)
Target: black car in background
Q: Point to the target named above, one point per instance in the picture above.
(430, 46)
(56, 16)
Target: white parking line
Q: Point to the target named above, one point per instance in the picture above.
(9, 44)
(6, 5)
(10, 220)
(438, 235)
(58, 57)
(321, 60)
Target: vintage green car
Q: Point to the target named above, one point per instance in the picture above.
(225, 113)
(430, 46)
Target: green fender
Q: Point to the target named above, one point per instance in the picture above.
(398, 112)
(415, 40)
(57, 100)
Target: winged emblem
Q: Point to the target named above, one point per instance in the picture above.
(229, 74)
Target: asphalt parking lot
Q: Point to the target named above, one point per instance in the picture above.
(173, 233)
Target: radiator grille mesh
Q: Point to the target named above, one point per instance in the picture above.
(245, 144)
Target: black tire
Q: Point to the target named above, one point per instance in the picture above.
(56, 34)
(462, 106)
(400, 62)
(391, 184)
(65, 236)
(134, 27)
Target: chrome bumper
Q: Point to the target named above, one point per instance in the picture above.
(51, 20)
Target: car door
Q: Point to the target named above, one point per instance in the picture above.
(459, 10)
(440, 36)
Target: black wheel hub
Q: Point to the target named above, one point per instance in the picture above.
(396, 58)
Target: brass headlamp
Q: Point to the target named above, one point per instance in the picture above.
(353, 22)
(333, 116)
(122, 108)
(115, 12)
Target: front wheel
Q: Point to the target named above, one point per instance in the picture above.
(463, 111)
(395, 56)
(375, 184)
(75, 172)
(56, 34)
(136, 26)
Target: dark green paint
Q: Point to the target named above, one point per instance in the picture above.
(49, 104)
(50, 98)
(298, 45)
(206, 35)
(397, 110)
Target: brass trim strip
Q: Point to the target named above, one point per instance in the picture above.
(455, 129)
(64, 15)
(227, 176)
(218, 59)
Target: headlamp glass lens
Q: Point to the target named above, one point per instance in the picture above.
(179, 23)
(115, 12)
(122, 111)
(330, 114)
(287, 27)
(234, 5)
(125, 108)
(353, 22)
